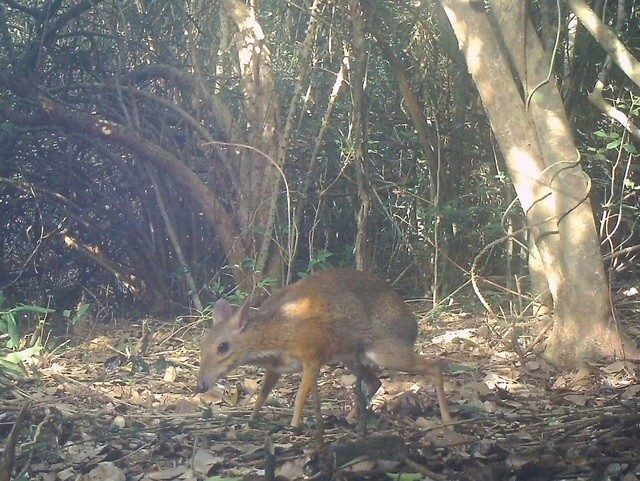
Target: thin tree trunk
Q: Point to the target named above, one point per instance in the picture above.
(283, 144)
(175, 243)
(358, 136)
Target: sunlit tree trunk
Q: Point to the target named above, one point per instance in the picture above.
(258, 179)
(533, 134)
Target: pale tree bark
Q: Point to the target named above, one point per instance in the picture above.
(259, 174)
(543, 163)
(303, 191)
(96, 254)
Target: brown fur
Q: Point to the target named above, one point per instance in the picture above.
(337, 315)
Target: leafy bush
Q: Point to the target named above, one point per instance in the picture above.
(14, 351)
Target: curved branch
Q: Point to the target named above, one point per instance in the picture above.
(412, 104)
(192, 186)
(597, 99)
(70, 207)
(607, 39)
(128, 279)
(178, 77)
(230, 183)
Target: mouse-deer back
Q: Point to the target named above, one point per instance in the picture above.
(337, 315)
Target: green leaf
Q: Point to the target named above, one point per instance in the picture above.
(406, 476)
(455, 368)
(614, 144)
(36, 309)
(12, 330)
(80, 313)
(28, 354)
(11, 369)
(267, 282)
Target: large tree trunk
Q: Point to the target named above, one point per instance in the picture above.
(534, 137)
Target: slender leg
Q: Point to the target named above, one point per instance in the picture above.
(397, 356)
(321, 447)
(319, 434)
(438, 381)
(310, 373)
(360, 406)
(433, 370)
(363, 374)
(268, 383)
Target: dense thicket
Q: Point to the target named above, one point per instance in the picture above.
(140, 157)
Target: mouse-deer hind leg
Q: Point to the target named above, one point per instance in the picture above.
(396, 355)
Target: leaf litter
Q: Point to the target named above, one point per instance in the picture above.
(111, 408)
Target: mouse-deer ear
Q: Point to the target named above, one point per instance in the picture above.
(221, 311)
(242, 316)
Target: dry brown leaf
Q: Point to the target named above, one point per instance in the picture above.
(516, 461)
(170, 374)
(189, 475)
(444, 437)
(532, 365)
(119, 421)
(165, 474)
(428, 423)
(66, 474)
(292, 469)
(232, 396)
(186, 406)
(106, 471)
(631, 392)
(467, 336)
(204, 460)
(617, 367)
(503, 380)
(363, 463)
(347, 380)
(83, 454)
(578, 399)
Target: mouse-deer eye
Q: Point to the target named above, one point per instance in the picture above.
(223, 347)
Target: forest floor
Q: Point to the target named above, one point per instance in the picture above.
(118, 404)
